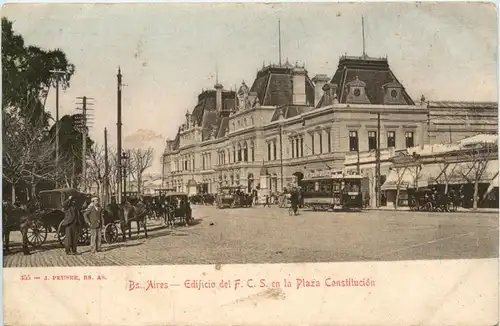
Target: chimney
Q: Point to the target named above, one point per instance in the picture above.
(319, 81)
(218, 97)
(330, 94)
(333, 93)
(299, 86)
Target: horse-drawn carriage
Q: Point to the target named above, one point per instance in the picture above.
(52, 212)
(432, 200)
(177, 206)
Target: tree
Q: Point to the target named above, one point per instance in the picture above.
(140, 161)
(478, 157)
(26, 79)
(95, 167)
(400, 174)
(70, 149)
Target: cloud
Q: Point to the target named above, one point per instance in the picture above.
(142, 137)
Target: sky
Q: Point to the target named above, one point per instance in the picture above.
(168, 53)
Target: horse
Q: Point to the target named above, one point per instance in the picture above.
(128, 213)
(15, 218)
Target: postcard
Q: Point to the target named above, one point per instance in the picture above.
(250, 164)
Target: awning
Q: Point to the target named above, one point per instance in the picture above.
(405, 177)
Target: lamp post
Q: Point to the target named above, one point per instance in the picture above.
(124, 161)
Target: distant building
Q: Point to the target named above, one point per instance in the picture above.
(438, 164)
(286, 125)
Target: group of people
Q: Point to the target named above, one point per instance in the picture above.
(93, 215)
(72, 223)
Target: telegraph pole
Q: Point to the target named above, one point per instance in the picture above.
(377, 166)
(281, 155)
(57, 74)
(106, 168)
(378, 161)
(86, 122)
(119, 136)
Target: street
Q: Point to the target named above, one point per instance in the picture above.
(270, 235)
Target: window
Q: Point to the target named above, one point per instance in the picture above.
(239, 153)
(193, 163)
(329, 141)
(253, 153)
(409, 139)
(312, 143)
(293, 147)
(245, 153)
(301, 147)
(353, 141)
(274, 150)
(234, 154)
(372, 140)
(297, 147)
(320, 142)
(391, 139)
(269, 151)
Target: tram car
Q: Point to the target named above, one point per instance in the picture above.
(331, 190)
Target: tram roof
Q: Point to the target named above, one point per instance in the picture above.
(334, 177)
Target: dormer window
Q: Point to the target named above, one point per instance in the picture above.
(393, 93)
(356, 93)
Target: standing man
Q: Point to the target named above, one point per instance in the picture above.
(93, 217)
(71, 223)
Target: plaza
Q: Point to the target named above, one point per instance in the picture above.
(270, 235)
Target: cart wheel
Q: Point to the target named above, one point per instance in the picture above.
(428, 206)
(110, 233)
(37, 234)
(61, 233)
(84, 236)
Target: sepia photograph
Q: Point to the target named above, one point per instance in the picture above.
(194, 134)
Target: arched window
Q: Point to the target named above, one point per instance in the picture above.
(239, 153)
(252, 151)
(245, 152)
(234, 154)
(245, 122)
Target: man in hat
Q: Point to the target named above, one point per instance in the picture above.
(93, 217)
(71, 223)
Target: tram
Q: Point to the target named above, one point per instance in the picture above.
(330, 190)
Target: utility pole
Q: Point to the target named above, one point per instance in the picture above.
(281, 155)
(119, 136)
(57, 74)
(106, 168)
(378, 161)
(86, 122)
(358, 169)
(377, 166)
(279, 41)
(363, 31)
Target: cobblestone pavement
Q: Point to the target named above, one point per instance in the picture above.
(270, 235)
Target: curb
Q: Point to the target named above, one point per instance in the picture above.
(407, 210)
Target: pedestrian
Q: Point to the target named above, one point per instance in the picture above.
(294, 200)
(71, 223)
(93, 217)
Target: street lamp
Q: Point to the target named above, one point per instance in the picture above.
(124, 161)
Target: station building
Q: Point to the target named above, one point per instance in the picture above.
(286, 125)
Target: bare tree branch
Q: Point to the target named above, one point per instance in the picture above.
(141, 160)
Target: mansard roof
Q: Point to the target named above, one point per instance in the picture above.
(289, 111)
(274, 85)
(374, 72)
